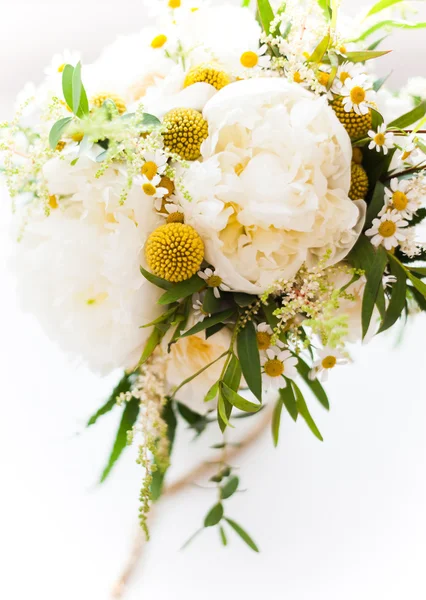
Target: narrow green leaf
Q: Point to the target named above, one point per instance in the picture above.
(224, 410)
(389, 24)
(162, 318)
(364, 55)
(57, 131)
(244, 300)
(276, 420)
(419, 285)
(150, 120)
(214, 516)
(243, 534)
(67, 82)
(377, 43)
(238, 401)
(319, 52)
(130, 414)
(210, 321)
(379, 83)
(419, 271)
(325, 5)
(269, 310)
(398, 297)
(76, 87)
(289, 400)
(248, 354)
(214, 329)
(122, 386)
(232, 376)
(151, 344)
(182, 290)
(189, 379)
(376, 119)
(161, 283)
(314, 385)
(83, 109)
(212, 393)
(304, 412)
(223, 537)
(362, 254)
(230, 487)
(211, 304)
(376, 204)
(410, 117)
(266, 15)
(381, 5)
(374, 281)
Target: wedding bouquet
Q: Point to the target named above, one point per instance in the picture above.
(220, 206)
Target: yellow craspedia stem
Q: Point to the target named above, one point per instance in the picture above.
(356, 125)
(100, 98)
(207, 74)
(185, 131)
(174, 252)
(359, 182)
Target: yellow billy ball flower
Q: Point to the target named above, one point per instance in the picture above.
(357, 155)
(207, 74)
(99, 99)
(185, 131)
(159, 41)
(359, 182)
(356, 125)
(174, 252)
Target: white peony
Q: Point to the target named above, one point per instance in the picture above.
(272, 190)
(78, 269)
(189, 355)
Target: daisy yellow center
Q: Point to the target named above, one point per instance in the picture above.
(343, 76)
(168, 184)
(249, 59)
(329, 362)
(406, 154)
(274, 367)
(61, 68)
(159, 41)
(342, 49)
(263, 340)
(214, 281)
(387, 229)
(149, 169)
(379, 139)
(297, 78)
(174, 252)
(174, 3)
(149, 189)
(239, 169)
(53, 202)
(323, 78)
(399, 200)
(357, 94)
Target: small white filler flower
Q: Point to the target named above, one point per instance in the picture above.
(380, 140)
(388, 230)
(277, 364)
(328, 358)
(213, 280)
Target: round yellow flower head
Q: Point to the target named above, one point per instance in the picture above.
(359, 182)
(356, 125)
(207, 74)
(174, 252)
(99, 99)
(185, 131)
(357, 155)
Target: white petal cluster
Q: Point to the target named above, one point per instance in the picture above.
(272, 191)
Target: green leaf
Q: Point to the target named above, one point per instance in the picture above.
(151, 344)
(289, 400)
(214, 516)
(418, 217)
(238, 401)
(211, 304)
(362, 254)
(379, 83)
(232, 376)
(419, 271)
(224, 409)
(314, 385)
(189, 379)
(374, 281)
(169, 417)
(304, 412)
(150, 120)
(162, 318)
(122, 386)
(377, 43)
(182, 290)
(419, 285)
(319, 52)
(67, 82)
(269, 310)
(83, 109)
(223, 537)
(229, 488)
(212, 393)
(389, 24)
(376, 119)
(364, 55)
(266, 14)
(57, 131)
(210, 321)
(76, 87)
(398, 297)
(276, 420)
(244, 300)
(243, 534)
(381, 5)
(248, 353)
(325, 5)
(214, 329)
(195, 421)
(376, 204)
(410, 117)
(130, 414)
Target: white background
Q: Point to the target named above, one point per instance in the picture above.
(345, 519)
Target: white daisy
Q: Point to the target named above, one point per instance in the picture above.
(380, 140)
(252, 60)
(345, 71)
(400, 199)
(213, 280)
(357, 94)
(58, 62)
(388, 230)
(154, 164)
(173, 209)
(264, 335)
(199, 313)
(328, 358)
(276, 365)
(152, 189)
(410, 153)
